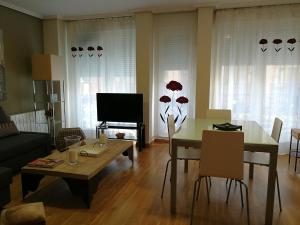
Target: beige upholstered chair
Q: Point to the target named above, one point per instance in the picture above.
(262, 159)
(64, 132)
(182, 153)
(219, 114)
(229, 146)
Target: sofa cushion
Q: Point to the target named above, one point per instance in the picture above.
(8, 129)
(22, 143)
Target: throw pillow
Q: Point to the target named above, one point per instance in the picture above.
(3, 117)
(8, 129)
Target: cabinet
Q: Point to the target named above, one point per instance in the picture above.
(49, 96)
(49, 91)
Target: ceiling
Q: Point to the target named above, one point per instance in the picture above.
(76, 9)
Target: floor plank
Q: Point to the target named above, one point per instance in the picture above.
(128, 196)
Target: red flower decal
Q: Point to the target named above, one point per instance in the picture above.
(291, 41)
(174, 86)
(182, 100)
(165, 99)
(277, 41)
(263, 41)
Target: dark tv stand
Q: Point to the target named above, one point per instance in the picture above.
(139, 127)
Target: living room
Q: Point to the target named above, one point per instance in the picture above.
(145, 80)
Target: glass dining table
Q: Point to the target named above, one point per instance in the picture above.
(255, 140)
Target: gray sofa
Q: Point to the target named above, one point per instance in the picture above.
(16, 150)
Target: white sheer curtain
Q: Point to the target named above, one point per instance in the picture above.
(258, 80)
(92, 70)
(174, 60)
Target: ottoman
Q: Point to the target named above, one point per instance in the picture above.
(27, 214)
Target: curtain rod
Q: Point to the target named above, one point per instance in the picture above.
(98, 18)
(258, 6)
(95, 17)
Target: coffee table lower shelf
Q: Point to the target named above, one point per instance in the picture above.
(83, 189)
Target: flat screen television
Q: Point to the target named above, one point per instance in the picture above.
(119, 107)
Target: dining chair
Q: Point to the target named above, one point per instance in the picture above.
(182, 152)
(295, 133)
(229, 146)
(263, 159)
(219, 114)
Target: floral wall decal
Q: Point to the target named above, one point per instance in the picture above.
(277, 43)
(263, 42)
(74, 51)
(99, 49)
(173, 105)
(91, 50)
(291, 43)
(80, 51)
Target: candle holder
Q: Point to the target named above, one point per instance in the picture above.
(72, 143)
(102, 140)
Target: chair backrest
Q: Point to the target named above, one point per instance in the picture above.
(222, 154)
(276, 131)
(219, 114)
(171, 130)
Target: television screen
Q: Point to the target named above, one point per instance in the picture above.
(117, 107)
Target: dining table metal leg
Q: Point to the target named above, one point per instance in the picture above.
(271, 187)
(173, 177)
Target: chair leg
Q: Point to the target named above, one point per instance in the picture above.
(278, 192)
(194, 196)
(228, 191)
(251, 170)
(296, 155)
(207, 190)
(247, 201)
(209, 178)
(186, 166)
(198, 190)
(163, 188)
(242, 197)
(290, 148)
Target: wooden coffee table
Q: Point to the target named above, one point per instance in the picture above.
(82, 178)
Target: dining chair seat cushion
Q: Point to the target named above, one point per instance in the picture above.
(188, 153)
(259, 158)
(296, 133)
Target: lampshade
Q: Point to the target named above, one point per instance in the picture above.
(47, 67)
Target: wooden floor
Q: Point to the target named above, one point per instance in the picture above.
(131, 196)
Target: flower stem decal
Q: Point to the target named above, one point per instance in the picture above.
(277, 43)
(291, 42)
(174, 105)
(263, 42)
